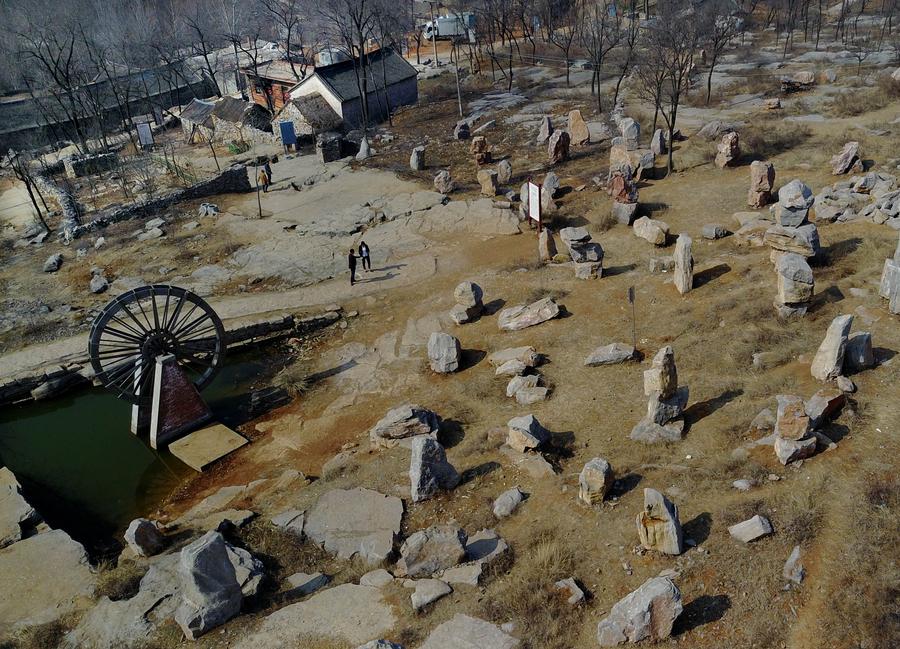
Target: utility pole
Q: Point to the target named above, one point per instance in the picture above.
(434, 34)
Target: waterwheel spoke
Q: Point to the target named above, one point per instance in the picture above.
(175, 313)
(192, 326)
(139, 335)
(175, 326)
(136, 321)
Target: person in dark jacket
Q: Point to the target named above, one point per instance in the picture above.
(351, 262)
(364, 255)
(268, 168)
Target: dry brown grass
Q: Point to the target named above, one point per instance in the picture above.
(772, 138)
(120, 581)
(526, 593)
(862, 100)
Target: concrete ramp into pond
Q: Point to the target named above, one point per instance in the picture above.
(203, 447)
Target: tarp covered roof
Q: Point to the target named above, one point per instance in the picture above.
(198, 111)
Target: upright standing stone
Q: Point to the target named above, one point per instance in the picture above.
(546, 245)
(859, 354)
(595, 481)
(847, 160)
(728, 150)
(658, 525)
(631, 133)
(429, 470)
(443, 352)
(684, 264)
(794, 201)
(662, 377)
(762, 182)
(828, 363)
(545, 130)
(504, 172)
(462, 130)
(443, 183)
(795, 285)
(558, 147)
(210, 593)
(658, 142)
(417, 159)
(578, 130)
(487, 178)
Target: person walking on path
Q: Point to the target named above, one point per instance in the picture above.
(268, 169)
(351, 262)
(364, 255)
(262, 178)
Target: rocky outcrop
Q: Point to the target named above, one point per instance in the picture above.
(431, 550)
(17, 517)
(465, 632)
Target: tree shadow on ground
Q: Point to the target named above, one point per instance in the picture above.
(707, 275)
(477, 471)
(493, 306)
(702, 409)
(450, 433)
(703, 610)
(470, 358)
(612, 271)
(698, 527)
(624, 484)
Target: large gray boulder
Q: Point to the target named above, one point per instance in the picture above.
(522, 316)
(525, 433)
(803, 240)
(658, 526)
(210, 592)
(428, 591)
(17, 517)
(402, 422)
(648, 613)
(526, 355)
(828, 363)
(444, 352)
(846, 160)
(429, 470)
(508, 502)
(431, 550)
(795, 279)
(355, 522)
(417, 159)
(53, 263)
(144, 537)
(652, 230)
(859, 354)
(751, 529)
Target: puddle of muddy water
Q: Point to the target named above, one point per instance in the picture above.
(84, 471)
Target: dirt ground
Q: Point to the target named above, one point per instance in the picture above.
(839, 506)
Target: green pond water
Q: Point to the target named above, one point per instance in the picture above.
(84, 471)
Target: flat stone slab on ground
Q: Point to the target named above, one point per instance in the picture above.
(203, 447)
(347, 613)
(41, 579)
(355, 522)
(464, 632)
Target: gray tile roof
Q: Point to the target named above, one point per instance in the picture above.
(341, 78)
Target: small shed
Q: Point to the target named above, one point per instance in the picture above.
(237, 120)
(196, 120)
(390, 81)
(310, 115)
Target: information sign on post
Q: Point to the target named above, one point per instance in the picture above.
(145, 135)
(534, 203)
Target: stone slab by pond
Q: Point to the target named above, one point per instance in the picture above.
(347, 613)
(355, 522)
(41, 579)
(203, 447)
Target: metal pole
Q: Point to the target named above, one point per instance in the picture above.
(258, 199)
(434, 35)
(458, 91)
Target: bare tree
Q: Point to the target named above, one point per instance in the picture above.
(718, 28)
(670, 44)
(20, 165)
(288, 18)
(600, 32)
(204, 37)
(560, 18)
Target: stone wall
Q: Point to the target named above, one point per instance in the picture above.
(233, 180)
(86, 165)
(70, 208)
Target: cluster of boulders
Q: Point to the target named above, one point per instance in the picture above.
(625, 150)
(586, 254)
(874, 197)
(469, 302)
(666, 401)
(519, 363)
(889, 287)
(796, 421)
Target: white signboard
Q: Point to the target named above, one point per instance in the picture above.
(145, 135)
(534, 202)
